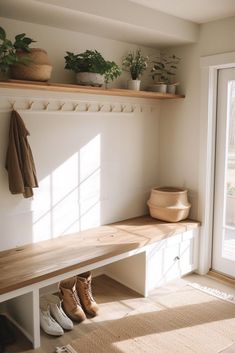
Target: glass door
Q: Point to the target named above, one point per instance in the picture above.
(223, 256)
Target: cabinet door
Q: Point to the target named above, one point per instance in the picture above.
(187, 258)
(162, 263)
(172, 258)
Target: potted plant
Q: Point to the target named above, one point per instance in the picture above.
(21, 61)
(163, 71)
(136, 63)
(8, 50)
(37, 68)
(91, 68)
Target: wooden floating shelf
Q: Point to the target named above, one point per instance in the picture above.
(59, 87)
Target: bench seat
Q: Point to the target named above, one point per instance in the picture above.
(141, 253)
(36, 262)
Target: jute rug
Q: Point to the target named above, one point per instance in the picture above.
(185, 321)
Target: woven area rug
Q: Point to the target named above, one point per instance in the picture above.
(185, 321)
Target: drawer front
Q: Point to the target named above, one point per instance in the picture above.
(171, 259)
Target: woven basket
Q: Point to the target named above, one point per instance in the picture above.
(38, 68)
(35, 55)
(31, 72)
(169, 204)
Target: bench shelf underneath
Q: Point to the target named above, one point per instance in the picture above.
(142, 253)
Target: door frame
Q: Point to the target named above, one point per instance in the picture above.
(221, 262)
(209, 75)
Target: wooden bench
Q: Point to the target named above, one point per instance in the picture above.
(141, 253)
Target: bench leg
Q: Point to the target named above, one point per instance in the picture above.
(36, 319)
(131, 272)
(23, 311)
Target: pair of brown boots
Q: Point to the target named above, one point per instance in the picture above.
(76, 296)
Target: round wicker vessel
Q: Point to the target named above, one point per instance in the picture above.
(31, 72)
(37, 69)
(169, 204)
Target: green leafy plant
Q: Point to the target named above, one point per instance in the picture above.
(8, 49)
(92, 61)
(164, 68)
(135, 63)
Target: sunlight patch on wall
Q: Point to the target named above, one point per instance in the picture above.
(90, 184)
(41, 206)
(68, 200)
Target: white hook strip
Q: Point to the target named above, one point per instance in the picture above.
(69, 106)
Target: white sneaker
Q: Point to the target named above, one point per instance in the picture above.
(47, 323)
(65, 349)
(57, 312)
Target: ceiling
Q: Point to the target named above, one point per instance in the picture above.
(198, 11)
(153, 23)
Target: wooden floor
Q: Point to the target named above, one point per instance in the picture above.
(116, 301)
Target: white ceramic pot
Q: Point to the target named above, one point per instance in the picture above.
(171, 89)
(169, 204)
(133, 85)
(159, 87)
(90, 79)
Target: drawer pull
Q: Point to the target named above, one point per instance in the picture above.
(177, 258)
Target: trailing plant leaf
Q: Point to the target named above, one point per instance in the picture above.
(22, 42)
(112, 71)
(19, 36)
(2, 34)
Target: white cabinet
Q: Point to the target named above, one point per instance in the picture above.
(158, 263)
(171, 258)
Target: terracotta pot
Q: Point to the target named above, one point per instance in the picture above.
(38, 68)
(169, 204)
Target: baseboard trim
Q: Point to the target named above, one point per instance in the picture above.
(221, 277)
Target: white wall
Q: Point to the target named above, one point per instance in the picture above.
(93, 168)
(179, 129)
(180, 125)
(177, 140)
(217, 37)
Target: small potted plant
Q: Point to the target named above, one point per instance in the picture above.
(163, 71)
(8, 50)
(136, 63)
(21, 61)
(91, 68)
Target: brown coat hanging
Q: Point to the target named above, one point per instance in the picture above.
(19, 160)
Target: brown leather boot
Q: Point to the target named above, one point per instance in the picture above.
(83, 287)
(71, 302)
